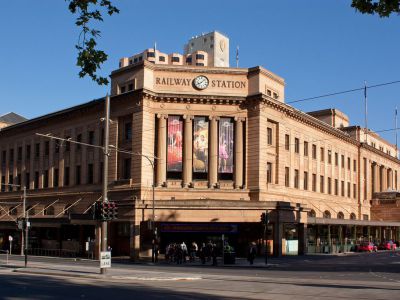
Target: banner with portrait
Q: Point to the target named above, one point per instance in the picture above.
(175, 144)
(200, 145)
(225, 145)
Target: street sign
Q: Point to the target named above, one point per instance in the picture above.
(105, 259)
(20, 224)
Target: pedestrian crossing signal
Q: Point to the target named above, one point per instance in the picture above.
(106, 211)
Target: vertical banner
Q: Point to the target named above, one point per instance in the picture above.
(200, 145)
(175, 144)
(225, 145)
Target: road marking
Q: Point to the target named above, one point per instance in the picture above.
(157, 278)
(383, 277)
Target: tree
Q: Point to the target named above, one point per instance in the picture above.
(89, 58)
(384, 8)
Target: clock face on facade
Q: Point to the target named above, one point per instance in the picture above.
(200, 82)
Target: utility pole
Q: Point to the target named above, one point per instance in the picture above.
(26, 224)
(105, 177)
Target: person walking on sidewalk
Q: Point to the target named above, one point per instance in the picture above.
(252, 251)
(214, 254)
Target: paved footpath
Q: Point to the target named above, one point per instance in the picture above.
(352, 276)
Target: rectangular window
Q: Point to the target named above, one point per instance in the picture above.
(66, 176)
(354, 191)
(342, 161)
(55, 178)
(322, 154)
(78, 175)
(189, 59)
(296, 145)
(365, 217)
(91, 138)
(56, 146)
(200, 147)
(122, 89)
(314, 182)
(19, 182)
(11, 155)
(336, 159)
(19, 154)
(305, 186)
(36, 181)
(3, 157)
(336, 187)
(151, 54)
(161, 58)
(67, 144)
(10, 182)
(348, 163)
(269, 136)
(314, 151)
(329, 185)
(305, 148)
(127, 168)
(269, 172)
(46, 179)
(27, 180)
(296, 178)
(329, 156)
(200, 64)
(226, 145)
(342, 188)
(322, 184)
(90, 174)
(354, 165)
(348, 190)
(287, 142)
(175, 59)
(28, 152)
(37, 150)
(287, 176)
(130, 87)
(199, 56)
(3, 186)
(46, 147)
(128, 131)
(79, 140)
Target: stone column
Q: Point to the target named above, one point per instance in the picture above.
(213, 152)
(161, 150)
(376, 179)
(188, 151)
(390, 178)
(239, 153)
(384, 179)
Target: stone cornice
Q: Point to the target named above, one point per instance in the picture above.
(302, 117)
(380, 153)
(265, 72)
(191, 98)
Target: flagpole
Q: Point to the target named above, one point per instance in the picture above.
(366, 113)
(237, 57)
(395, 130)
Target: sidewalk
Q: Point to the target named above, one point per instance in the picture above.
(120, 270)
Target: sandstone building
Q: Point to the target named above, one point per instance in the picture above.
(220, 146)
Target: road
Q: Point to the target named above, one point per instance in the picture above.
(354, 276)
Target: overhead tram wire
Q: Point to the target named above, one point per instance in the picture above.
(344, 92)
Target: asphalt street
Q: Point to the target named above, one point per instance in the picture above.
(352, 276)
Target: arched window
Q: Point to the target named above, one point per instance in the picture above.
(327, 214)
(312, 213)
(353, 216)
(12, 211)
(30, 211)
(340, 215)
(49, 211)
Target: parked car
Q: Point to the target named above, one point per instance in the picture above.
(388, 245)
(367, 246)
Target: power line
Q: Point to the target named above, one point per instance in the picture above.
(344, 92)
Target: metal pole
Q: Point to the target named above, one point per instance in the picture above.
(26, 239)
(24, 216)
(366, 113)
(105, 176)
(395, 128)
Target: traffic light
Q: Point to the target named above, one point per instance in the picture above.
(264, 218)
(105, 211)
(113, 211)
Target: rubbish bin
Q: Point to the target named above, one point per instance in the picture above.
(229, 258)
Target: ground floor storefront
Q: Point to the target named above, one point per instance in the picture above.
(338, 236)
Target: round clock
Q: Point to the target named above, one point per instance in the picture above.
(200, 82)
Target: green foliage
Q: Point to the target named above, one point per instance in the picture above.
(384, 8)
(89, 58)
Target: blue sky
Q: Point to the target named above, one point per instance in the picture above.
(317, 46)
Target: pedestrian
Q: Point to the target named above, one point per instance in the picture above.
(202, 253)
(214, 254)
(251, 253)
(184, 252)
(193, 251)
